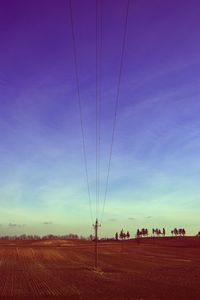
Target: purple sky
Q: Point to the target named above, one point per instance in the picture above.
(155, 175)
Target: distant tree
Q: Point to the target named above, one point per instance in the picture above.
(143, 232)
(121, 235)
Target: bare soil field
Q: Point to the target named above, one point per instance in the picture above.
(152, 268)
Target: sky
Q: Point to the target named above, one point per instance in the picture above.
(155, 167)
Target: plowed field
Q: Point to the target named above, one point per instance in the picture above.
(151, 269)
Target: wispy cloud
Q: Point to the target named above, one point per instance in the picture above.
(16, 225)
(47, 223)
(12, 225)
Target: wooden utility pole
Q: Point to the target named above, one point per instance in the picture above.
(96, 226)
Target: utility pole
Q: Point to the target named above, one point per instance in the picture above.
(96, 226)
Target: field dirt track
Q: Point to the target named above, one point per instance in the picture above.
(154, 268)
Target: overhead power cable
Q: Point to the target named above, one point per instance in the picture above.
(98, 97)
(97, 115)
(116, 105)
(80, 107)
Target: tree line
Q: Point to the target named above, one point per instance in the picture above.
(145, 233)
(23, 237)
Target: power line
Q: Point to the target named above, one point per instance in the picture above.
(80, 107)
(100, 86)
(116, 106)
(97, 111)
(98, 104)
(98, 96)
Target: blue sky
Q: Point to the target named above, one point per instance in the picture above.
(154, 179)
